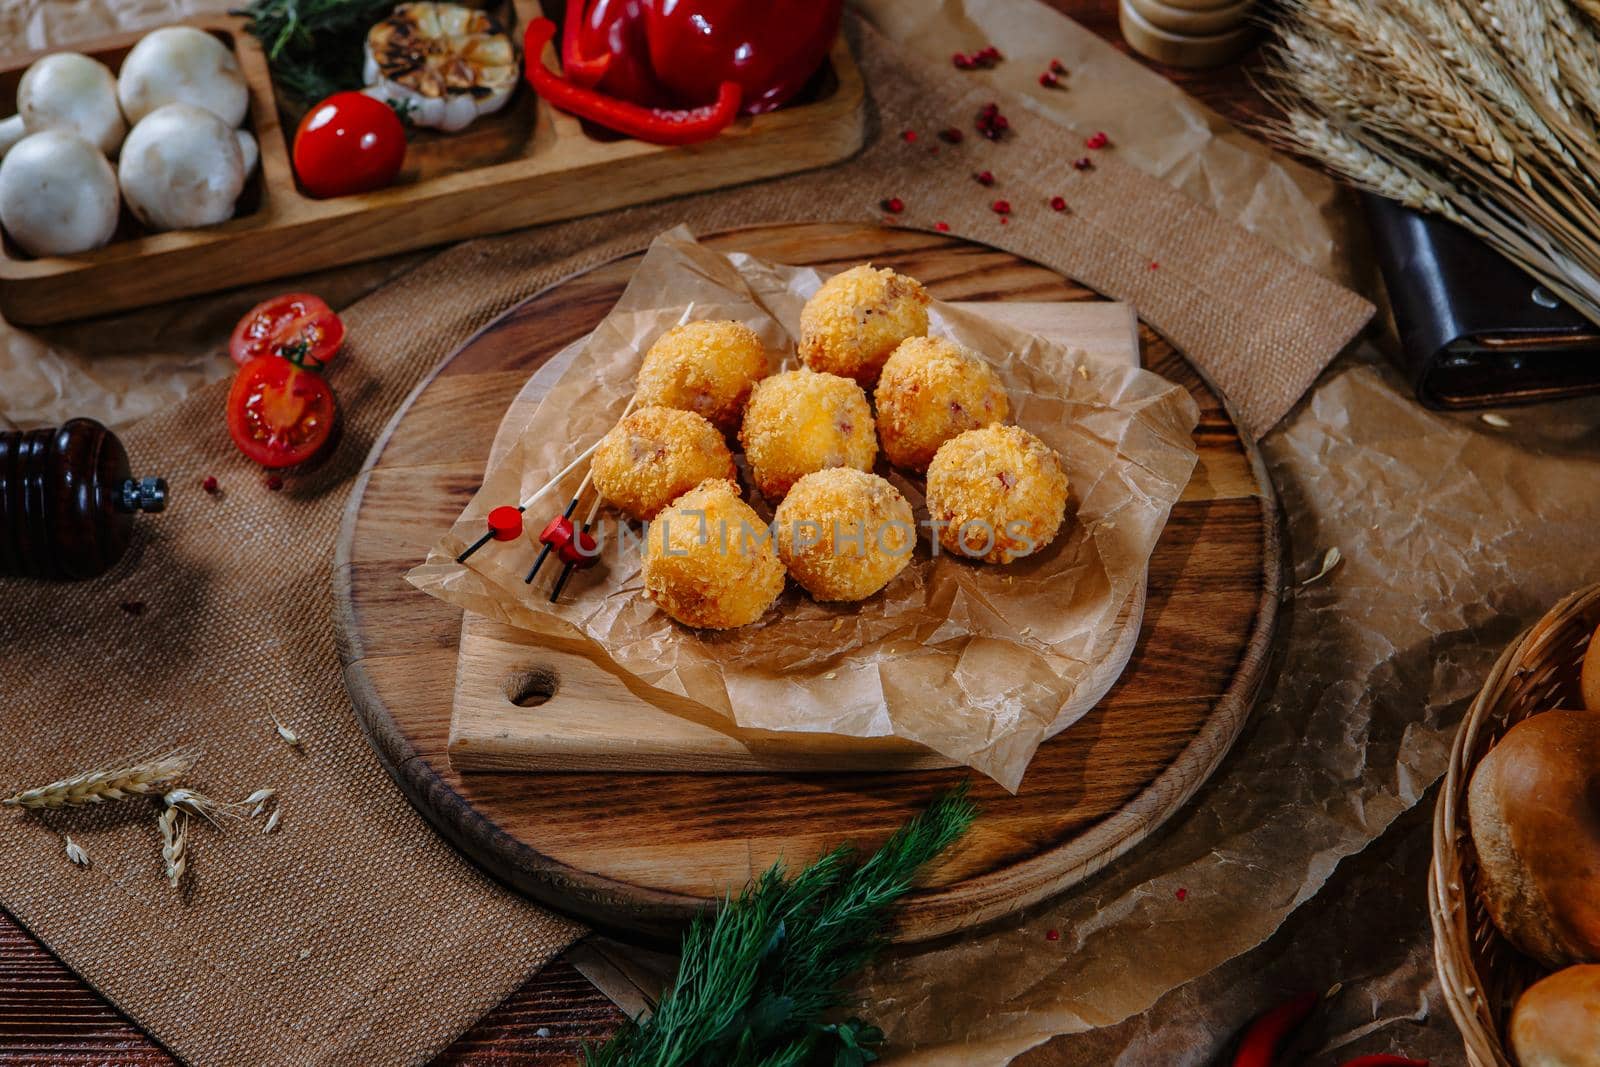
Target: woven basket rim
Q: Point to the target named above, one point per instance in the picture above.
(1448, 900)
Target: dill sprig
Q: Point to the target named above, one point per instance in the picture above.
(314, 46)
(757, 977)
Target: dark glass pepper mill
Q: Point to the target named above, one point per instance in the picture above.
(67, 501)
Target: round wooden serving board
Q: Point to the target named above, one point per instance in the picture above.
(642, 852)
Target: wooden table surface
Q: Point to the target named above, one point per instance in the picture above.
(49, 1018)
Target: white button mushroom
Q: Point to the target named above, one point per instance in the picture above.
(58, 195)
(11, 131)
(182, 65)
(68, 91)
(181, 166)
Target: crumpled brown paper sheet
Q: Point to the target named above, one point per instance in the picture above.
(1051, 632)
(1455, 536)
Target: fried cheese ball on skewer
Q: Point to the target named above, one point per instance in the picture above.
(802, 421)
(931, 390)
(709, 560)
(654, 455)
(996, 494)
(844, 533)
(857, 318)
(704, 367)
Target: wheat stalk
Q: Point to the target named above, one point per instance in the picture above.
(1522, 30)
(196, 803)
(1395, 50)
(97, 787)
(1482, 111)
(174, 825)
(1576, 47)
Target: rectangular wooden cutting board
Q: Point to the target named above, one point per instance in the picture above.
(523, 703)
(523, 165)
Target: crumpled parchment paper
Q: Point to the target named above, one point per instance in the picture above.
(978, 663)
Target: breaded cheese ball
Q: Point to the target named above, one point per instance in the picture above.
(844, 533)
(802, 421)
(655, 455)
(704, 367)
(857, 318)
(997, 494)
(709, 560)
(932, 389)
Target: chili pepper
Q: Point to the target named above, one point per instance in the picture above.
(1262, 1038)
(656, 125)
(1383, 1059)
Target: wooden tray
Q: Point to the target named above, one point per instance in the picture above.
(526, 164)
(522, 705)
(643, 851)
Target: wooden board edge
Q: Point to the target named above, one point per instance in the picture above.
(659, 916)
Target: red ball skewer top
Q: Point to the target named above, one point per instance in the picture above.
(505, 523)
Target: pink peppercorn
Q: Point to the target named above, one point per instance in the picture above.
(942, 227)
(1049, 79)
(1052, 935)
(210, 484)
(1182, 895)
(1082, 163)
(1059, 203)
(909, 137)
(984, 177)
(893, 205)
(1001, 207)
(274, 482)
(951, 135)
(1097, 140)
(1057, 67)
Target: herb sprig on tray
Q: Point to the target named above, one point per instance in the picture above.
(757, 978)
(314, 46)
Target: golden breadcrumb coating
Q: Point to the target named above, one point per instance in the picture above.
(709, 560)
(857, 318)
(932, 389)
(802, 421)
(997, 494)
(654, 455)
(844, 533)
(704, 367)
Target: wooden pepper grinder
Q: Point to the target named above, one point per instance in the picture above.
(67, 500)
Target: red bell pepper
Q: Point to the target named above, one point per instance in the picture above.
(769, 48)
(661, 70)
(655, 125)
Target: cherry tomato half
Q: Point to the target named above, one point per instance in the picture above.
(291, 323)
(349, 143)
(281, 414)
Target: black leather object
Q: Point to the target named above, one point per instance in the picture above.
(1475, 331)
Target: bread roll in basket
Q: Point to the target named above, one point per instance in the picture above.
(1481, 973)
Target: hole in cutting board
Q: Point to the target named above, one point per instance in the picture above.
(532, 687)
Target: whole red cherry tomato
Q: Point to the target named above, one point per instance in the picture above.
(349, 143)
(294, 323)
(281, 414)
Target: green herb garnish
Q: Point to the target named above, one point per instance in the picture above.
(314, 47)
(757, 978)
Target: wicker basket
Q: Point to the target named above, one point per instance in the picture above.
(1482, 974)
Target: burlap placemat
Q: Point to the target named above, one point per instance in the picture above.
(354, 935)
